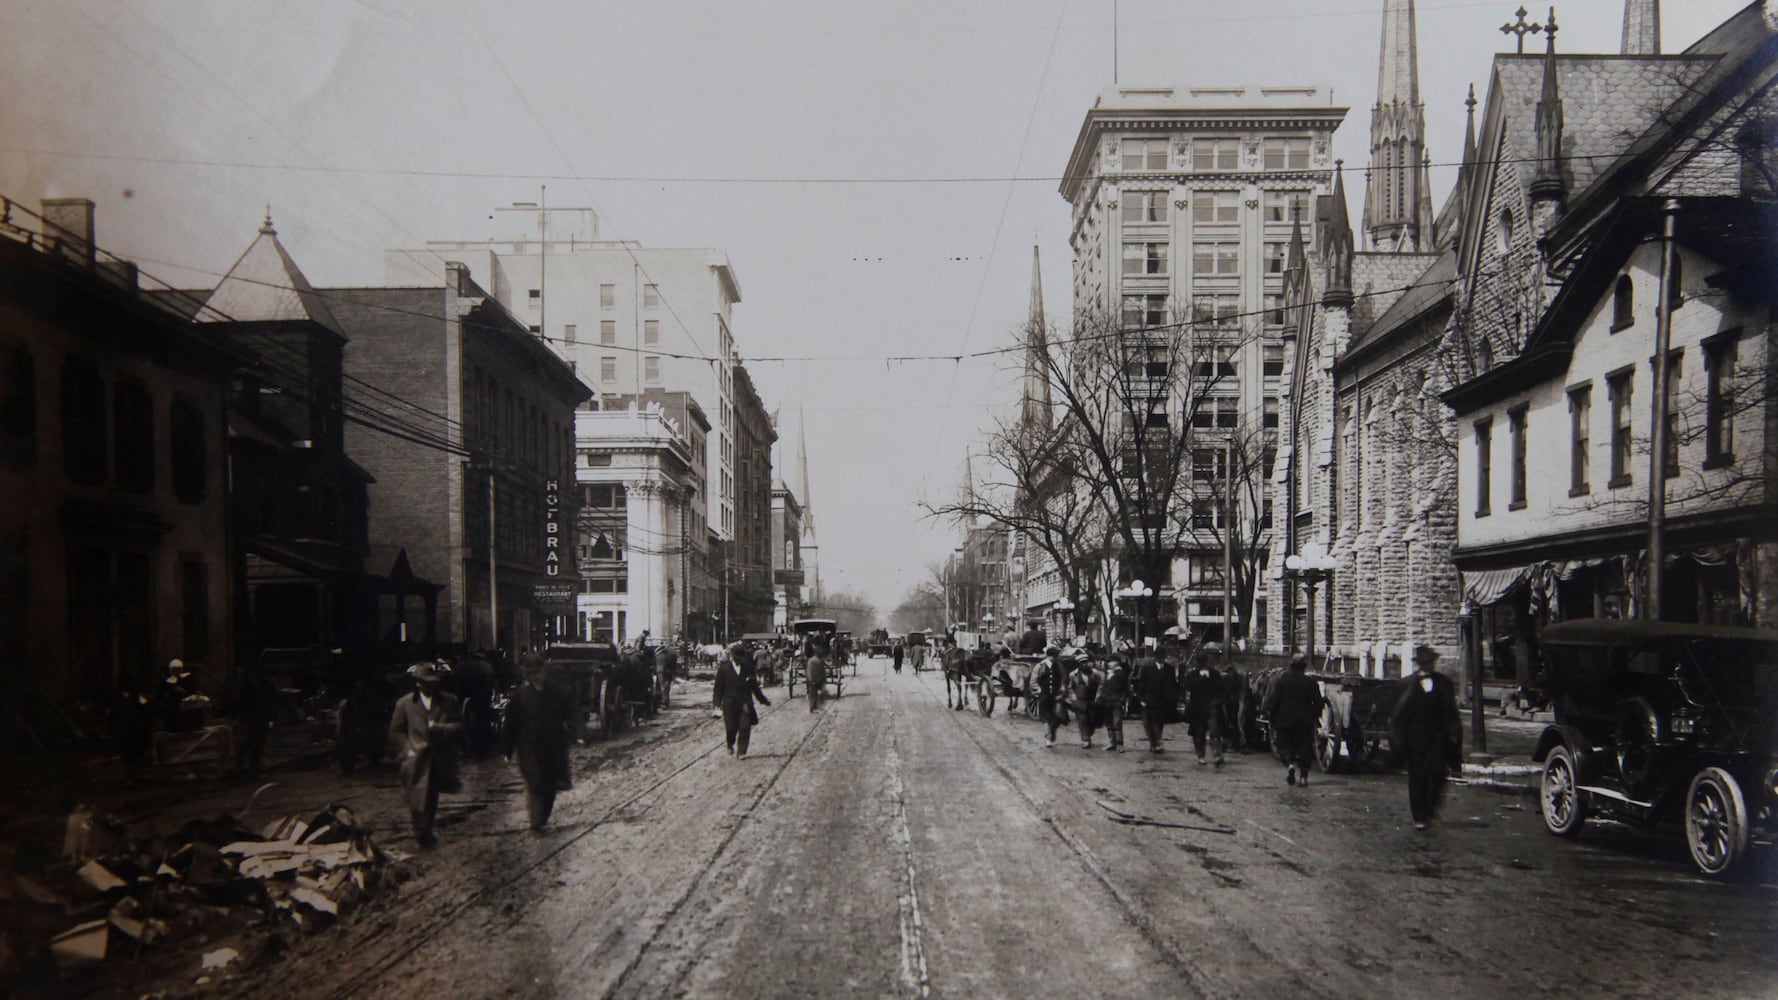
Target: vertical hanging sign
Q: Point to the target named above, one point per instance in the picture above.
(552, 527)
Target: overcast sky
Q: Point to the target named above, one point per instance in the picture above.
(876, 172)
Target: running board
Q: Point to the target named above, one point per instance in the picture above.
(1614, 794)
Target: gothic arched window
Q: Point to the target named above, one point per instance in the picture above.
(1623, 303)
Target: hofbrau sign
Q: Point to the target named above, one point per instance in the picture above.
(552, 527)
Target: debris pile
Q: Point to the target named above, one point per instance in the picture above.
(214, 881)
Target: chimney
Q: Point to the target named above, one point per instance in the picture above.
(68, 227)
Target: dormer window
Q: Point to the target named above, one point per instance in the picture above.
(1505, 229)
(1623, 304)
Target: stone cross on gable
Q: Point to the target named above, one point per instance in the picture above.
(1521, 29)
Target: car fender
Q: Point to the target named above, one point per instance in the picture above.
(1559, 735)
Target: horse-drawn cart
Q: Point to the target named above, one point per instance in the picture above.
(588, 675)
(1354, 729)
(811, 631)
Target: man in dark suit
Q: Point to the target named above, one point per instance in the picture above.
(1426, 729)
(1294, 707)
(1204, 691)
(1153, 682)
(537, 731)
(737, 688)
(423, 732)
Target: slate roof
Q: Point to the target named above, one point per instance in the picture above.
(1378, 281)
(1430, 287)
(1608, 102)
(265, 285)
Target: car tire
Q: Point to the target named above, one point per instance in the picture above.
(1560, 799)
(1716, 822)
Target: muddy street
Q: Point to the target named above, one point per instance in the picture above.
(888, 846)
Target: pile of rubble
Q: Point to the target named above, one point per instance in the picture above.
(213, 883)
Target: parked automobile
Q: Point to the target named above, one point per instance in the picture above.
(1660, 721)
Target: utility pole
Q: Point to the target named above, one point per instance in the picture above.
(493, 561)
(1657, 436)
(1228, 549)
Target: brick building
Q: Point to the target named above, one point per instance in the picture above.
(483, 442)
(748, 581)
(114, 540)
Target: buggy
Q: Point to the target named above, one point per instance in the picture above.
(798, 668)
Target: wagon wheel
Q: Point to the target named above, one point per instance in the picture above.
(1328, 737)
(984, 697)
(612, 704)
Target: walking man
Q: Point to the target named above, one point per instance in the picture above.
(1153, 681)
(423, 732)
(1046, 687)
(537, 730)
(1294, 706)
(1203, 708)
(895, 654)
(737, 688)
(1426, 727)
(1083, 692)
(1114, 696)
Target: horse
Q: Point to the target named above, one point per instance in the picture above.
(957, 676)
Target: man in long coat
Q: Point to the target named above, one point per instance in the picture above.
(1204, 691)
(1083, 694)
(1153, 681)
(423, 733)
(1046, 687)
(1294, 706)
(1114, 697)
(1426, 729)
(538, 731)
(735, 691)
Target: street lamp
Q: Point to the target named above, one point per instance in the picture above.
(1312, 566)
(1066, 607)
(1139, 591)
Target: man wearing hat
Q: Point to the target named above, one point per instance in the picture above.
(1426, 729)
(1204, 690)
(538, 729)
(1046, 687)
(1294, 706)
(423, 732)
(736, 689)
(1114, 696)
(1153, 681)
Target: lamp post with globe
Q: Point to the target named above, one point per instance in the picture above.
(1312, 567)
(1139, 592)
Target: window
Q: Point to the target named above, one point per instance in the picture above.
(608, 369)
(1222, 309)
(1672, 445)
(1286, 154)
(1623, 303)
(133, 430)
(1145, 154)
(1145, 310)
(607, 296)
(1484, 464)
(189, 443)
(570, 333)
(1207, 514)
(1274, 308)
(1209, 465)
(1580, 440)
(651, 296)
(534, 297)
(535, 329)
(1618, 386)
(1719, 399)
(1221, 367)
(1216, 258)
(1282, 206)
(608, 331)
(1145, 258)
(651, 369)
(1144, 206)
(83, 423)
(651, 331)
(1505, 230)
(194, 606)
(603, 496)
(1272, 364)
(1218, 412)
(1216, 154)
(1275, 258)
(1215, 206)
(18, 407)
(1515, 425)
(1268, 418)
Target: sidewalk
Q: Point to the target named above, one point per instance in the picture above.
(1511, 740)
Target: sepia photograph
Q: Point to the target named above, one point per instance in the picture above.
(950, 498)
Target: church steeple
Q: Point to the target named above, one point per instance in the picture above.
(1548, 189)
(1336, 246)
(1398, 197)
(1642, 28)
(1035, 414)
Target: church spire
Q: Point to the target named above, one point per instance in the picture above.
(802, 473)
(1642, 28)
(1336, 245)
(1035, 415)
(1548, 189)
(1397, 199)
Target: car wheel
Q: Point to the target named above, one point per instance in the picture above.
(1716, 822)
(1564, 810)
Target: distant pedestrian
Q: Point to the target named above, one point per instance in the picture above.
(1204, 694)
(895, 656)
(666, 668)
(1426, 729)
(1114, 697)
(1153, 682)
(1294, 706)
(736, 689)
(1046, 687)
(537, 731)
(423, 732)
(1083, 694)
